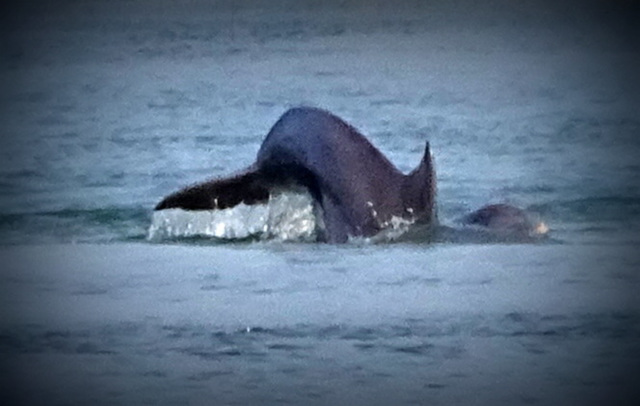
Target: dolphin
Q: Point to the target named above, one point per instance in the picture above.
(505, 220)
(356, 190)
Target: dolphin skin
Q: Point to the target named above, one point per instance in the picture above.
(356, 190)
(506, 220)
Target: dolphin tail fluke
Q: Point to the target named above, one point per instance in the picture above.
(245, 187)
(419, 191)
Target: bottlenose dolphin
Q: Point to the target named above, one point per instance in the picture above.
(357, 191)
(506, 221)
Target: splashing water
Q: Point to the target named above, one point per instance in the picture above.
(290, 216)
(287, 216)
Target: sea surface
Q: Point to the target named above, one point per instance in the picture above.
(106, 107)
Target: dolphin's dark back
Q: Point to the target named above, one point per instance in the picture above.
(356, 187)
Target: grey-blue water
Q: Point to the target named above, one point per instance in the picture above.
(108, 106)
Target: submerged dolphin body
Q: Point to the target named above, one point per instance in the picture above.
(504, 222)
(357, 191)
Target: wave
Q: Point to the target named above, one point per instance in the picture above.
(75, 225)
(613, 208)
(218, 342)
